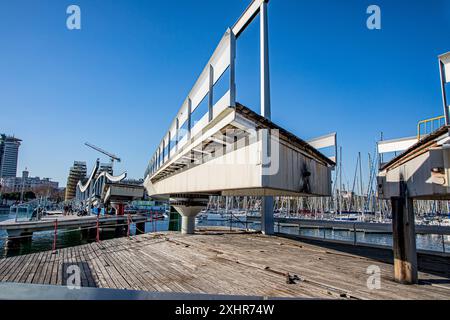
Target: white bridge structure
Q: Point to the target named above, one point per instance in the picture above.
(102, 188)
(228, 149)
(420, 172)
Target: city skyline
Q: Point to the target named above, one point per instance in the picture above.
(118, 81)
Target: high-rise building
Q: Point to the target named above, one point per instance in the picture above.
(77, 172)
(9, 153)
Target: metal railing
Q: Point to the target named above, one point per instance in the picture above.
(58, 230)
(432, 124)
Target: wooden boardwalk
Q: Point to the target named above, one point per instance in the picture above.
(219, 262)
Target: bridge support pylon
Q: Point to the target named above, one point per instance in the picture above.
(188, 215)
(188, 208)
(267, 219)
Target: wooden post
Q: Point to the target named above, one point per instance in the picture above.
(128, 225)
(404, 240)
(55, 237)
(97, 236)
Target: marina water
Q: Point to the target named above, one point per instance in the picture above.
(43, 241)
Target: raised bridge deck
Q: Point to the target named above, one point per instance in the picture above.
(220, 262)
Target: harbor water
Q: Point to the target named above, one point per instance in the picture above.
(42, 241)
(429, 242)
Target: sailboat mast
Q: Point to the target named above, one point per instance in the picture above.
(340, 180)
(361, 184)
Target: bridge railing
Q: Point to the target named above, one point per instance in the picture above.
(427, 126)
(183, 127)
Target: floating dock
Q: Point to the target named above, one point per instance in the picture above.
(216, 261)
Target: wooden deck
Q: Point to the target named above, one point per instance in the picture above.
(219, 262)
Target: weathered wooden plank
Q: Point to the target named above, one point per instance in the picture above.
(35, 268)
(247, 264)
(11, 272)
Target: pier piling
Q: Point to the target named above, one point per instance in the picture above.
(267, 218)
(404, 240)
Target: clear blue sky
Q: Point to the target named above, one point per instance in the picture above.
(119, 81)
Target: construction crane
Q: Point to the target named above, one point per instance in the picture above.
(111, 156)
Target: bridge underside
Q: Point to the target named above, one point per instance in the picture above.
(122, 192)
(230, 157)
(423, 169)
(239, 153)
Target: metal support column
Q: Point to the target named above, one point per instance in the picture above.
(211, 93)
(444, 96)
(189, 118)
(267, 219)
(265, 75)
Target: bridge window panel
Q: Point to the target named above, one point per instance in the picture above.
(183, 131)
(199, 117)
(183, 113)
(222, 86)
(200, 111)
(221, 58)
(173, 142)
(247, 67)
(170, 143)
(182, 134)
(166, 153)
(200, 89)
